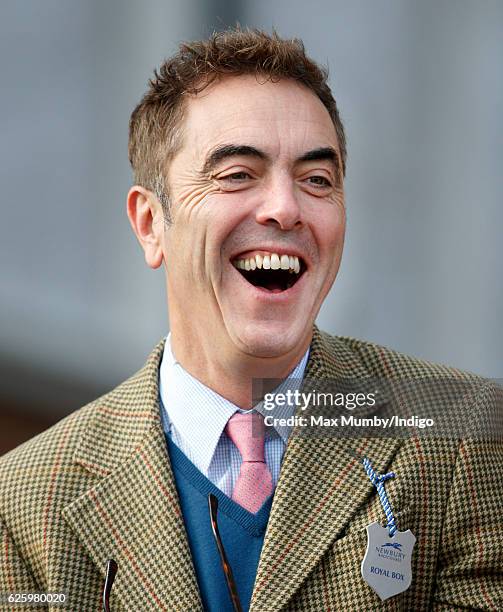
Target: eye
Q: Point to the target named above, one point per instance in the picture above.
(235, 177)
(235, 181)
(319, 181)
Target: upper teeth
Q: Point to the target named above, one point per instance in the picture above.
(272, 261)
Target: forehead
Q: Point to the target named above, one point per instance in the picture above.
(284, 117)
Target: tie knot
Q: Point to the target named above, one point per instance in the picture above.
(247, 431)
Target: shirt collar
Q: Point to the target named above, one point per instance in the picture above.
(200, 414)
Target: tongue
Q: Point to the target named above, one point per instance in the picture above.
(274, 287)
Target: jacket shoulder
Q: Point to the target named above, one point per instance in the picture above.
(385, 362)
(44, 467)
(58, 442)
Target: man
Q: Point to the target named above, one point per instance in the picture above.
(239, 157)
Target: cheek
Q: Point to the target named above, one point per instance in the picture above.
(329, 232)
(192, 221)
(191, 203)
(197, 239)
(224, 215)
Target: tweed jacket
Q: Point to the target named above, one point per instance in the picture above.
(99, 485)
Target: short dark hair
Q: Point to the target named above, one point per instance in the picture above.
(155, 128)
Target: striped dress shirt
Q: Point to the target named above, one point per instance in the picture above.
(195, 417)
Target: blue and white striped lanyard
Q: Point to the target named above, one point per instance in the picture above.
(378, 481)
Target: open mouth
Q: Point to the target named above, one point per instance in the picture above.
(271, 272)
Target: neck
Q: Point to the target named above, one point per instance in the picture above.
(231, 373)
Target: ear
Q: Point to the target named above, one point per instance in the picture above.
(147, 220)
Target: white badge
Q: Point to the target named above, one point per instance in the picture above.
(386, 566)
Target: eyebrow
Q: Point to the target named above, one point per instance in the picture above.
(230, 150)
(320, 154)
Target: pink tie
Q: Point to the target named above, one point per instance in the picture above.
(254, 483)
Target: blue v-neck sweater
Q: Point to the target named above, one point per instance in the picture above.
(241, 531)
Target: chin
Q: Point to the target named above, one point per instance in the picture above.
(271, 338)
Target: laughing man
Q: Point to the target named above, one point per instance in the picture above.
(239, 159)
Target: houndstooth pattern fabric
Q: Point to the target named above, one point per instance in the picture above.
(98, 485)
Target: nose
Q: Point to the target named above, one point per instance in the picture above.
(280, 206)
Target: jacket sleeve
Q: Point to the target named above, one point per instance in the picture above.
(15, 576)
(470, 564)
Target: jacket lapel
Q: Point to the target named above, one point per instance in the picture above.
(321, 487)
(132, 513)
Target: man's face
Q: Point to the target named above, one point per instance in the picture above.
(256, 185)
